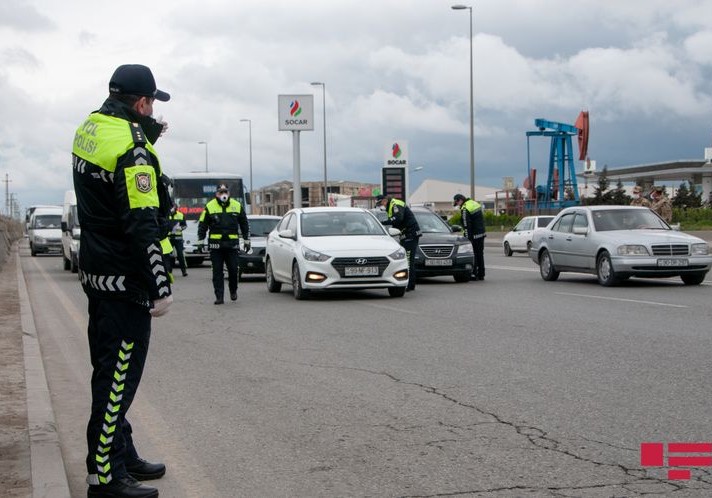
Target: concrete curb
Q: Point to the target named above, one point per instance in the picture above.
(49, 478)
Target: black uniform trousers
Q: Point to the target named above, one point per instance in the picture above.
(411, 247)
(180, 256)
(119, 333)
(229, 258)
(478, 246)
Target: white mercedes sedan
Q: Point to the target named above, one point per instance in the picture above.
(616, 243)
(333, 248)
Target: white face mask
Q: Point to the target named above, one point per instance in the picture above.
(223, 197)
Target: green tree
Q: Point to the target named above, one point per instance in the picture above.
(687, 197)
(618, 196)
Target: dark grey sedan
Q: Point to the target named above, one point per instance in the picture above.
(618, 242)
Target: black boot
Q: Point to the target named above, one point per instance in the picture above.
(233, 296)
(145, 471)
(123, 487)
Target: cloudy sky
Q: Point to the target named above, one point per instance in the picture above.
(394, 69)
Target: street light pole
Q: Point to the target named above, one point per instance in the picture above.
(323, 94)
(252, 199)
(472, 107)
(203, 142)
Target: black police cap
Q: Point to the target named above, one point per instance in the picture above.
(136, 79)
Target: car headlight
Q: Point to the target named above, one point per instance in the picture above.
(310, 255)
(465, 249)
(700, 249)
(41, 240)
(633, 250)
(397, 255)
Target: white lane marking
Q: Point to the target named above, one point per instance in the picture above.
(589, 296)
(517, 268)
(392, 308)
(513, 268)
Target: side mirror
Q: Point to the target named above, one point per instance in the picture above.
(393, 232)
(456, 228)
(675, 227)
(248, 198)
(580, 230)
(287, 234)
(76, 233)
(64, 226)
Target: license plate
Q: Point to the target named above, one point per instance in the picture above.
(438, 262)
(672, 262)
(361, 271)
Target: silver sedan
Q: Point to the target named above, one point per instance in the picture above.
(618, 242)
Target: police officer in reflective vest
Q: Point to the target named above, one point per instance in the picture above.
(401, 217)
(224, 217)
(120, 203)
(178, 224)
(473, 221)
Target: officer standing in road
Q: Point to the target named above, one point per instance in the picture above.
(120, 202)
(638, 197)
(401, 217)
(473, 222)
(178, 224)
(224, 217)
(661, 204)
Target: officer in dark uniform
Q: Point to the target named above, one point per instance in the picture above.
(401, 217)
(178, 224)
(224, 217)
(473, 222)
(120, 202)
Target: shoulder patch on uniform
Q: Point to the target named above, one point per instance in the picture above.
(143, 182)
(137, 133)
(396, 209)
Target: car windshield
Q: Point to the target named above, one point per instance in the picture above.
(543, 221)
(48, 221)
(329, 224)
(430, 222)
(627, 219)
(261, 227)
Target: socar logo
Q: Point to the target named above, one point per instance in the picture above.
(294, 109)
(396, 151)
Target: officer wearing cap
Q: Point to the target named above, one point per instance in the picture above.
(401, 217)
(661, 204)
(638, 198)
(224, 217)
(121, 203)
(473, 222)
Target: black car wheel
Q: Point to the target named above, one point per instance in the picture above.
(604, 270)
(546, 267)
(462, 277)
(507, 249)
(396, 291)
(299, 292)
(693, 278)
(272, 284)
(73, 263)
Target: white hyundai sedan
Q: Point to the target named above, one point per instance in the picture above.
(327, 248)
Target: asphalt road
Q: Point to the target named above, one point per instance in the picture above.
(509, 387)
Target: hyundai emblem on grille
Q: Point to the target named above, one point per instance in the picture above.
(361, 261)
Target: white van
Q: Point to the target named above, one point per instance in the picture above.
(44, 232)
(70, 232)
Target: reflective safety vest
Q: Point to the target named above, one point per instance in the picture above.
(473, 219)
(223, 221)
(394, 202)
(177, 222)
